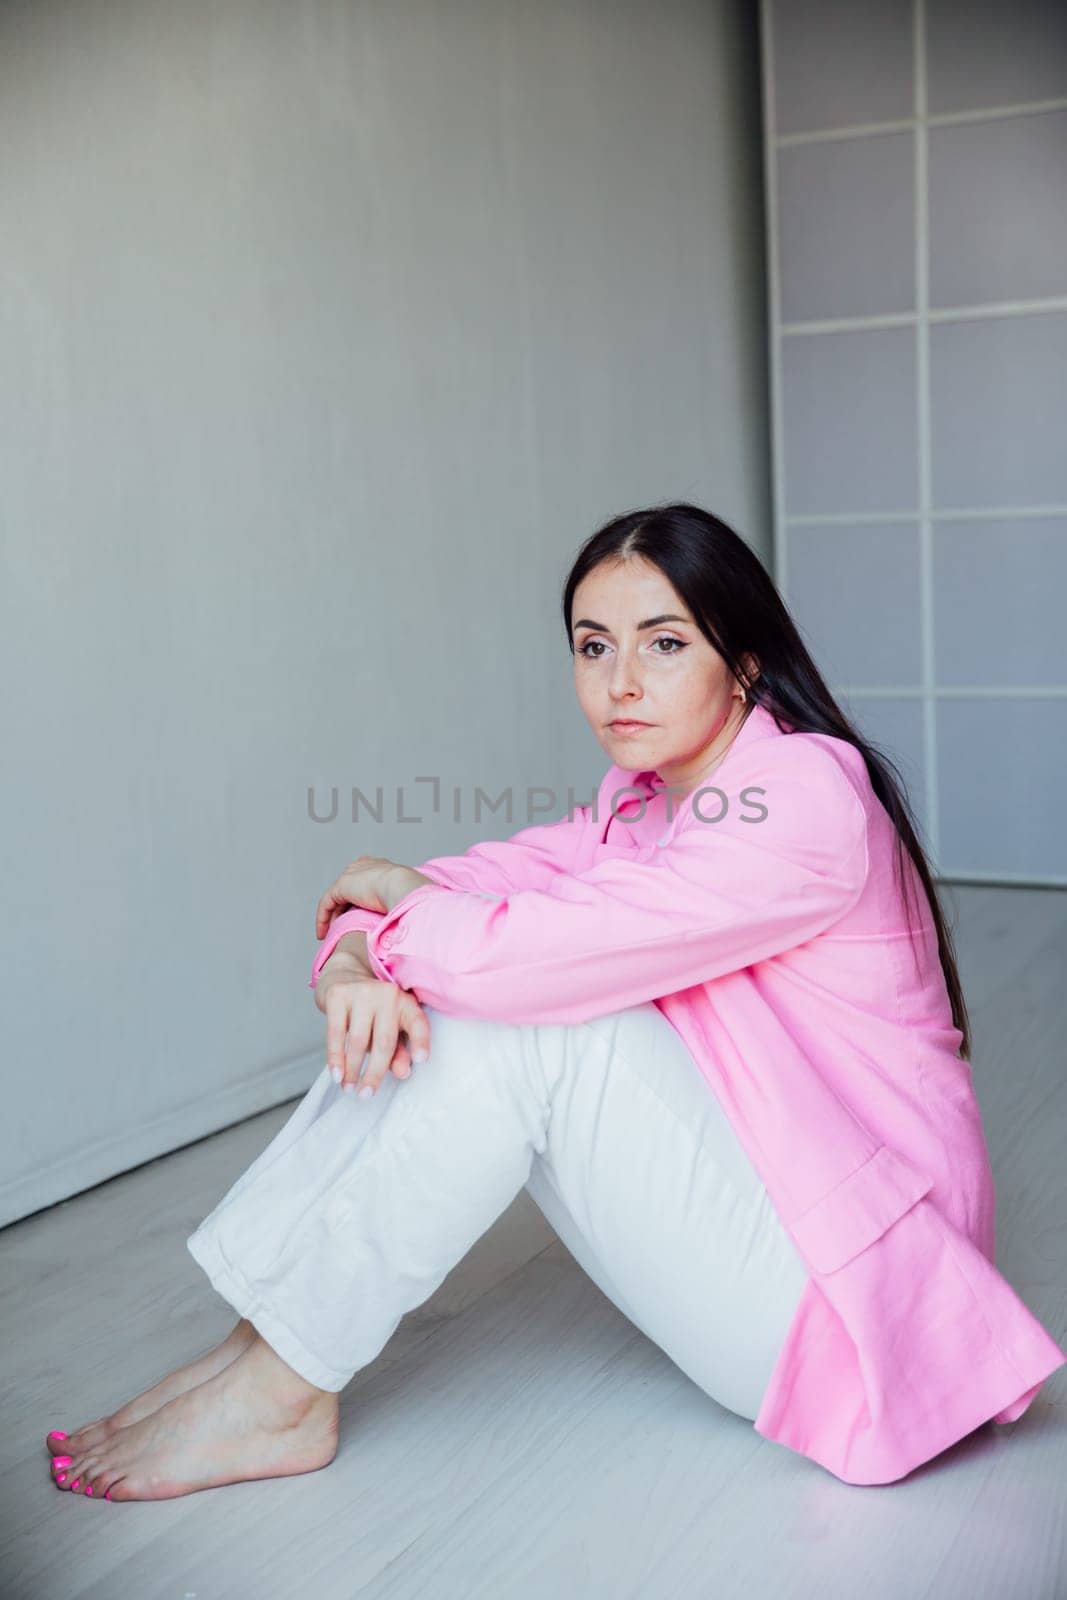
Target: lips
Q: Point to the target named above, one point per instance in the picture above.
(627, 722)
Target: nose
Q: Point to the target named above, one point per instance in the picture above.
(625, 677)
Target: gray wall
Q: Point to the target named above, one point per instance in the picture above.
(328, 331)
(917, 222)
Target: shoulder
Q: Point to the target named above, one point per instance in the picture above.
(814, 757)
(807, 786)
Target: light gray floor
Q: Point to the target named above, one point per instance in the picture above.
(518, 1436)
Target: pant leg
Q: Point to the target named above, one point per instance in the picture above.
(646, 1183)
(357, 1210)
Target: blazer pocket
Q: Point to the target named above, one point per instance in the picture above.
(859, 1209)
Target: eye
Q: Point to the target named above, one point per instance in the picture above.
(587, 649)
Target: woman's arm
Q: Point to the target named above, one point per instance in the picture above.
(348, 923)
(354, 945)
(533, 857)
(718, 898)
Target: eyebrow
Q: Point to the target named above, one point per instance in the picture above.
(653, 622)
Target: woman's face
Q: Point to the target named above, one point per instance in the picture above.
(638, 654)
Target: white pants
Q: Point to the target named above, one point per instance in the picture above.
(357, 1210)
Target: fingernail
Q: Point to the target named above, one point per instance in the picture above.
(349, 1088)
(366, 1092)
(420, 1055)
(336, 1074)
(55, 1434)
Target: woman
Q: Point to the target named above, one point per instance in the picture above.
(715, 1029)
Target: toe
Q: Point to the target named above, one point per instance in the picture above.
(74, 1474)
(96, 1476)
(85, 1438)
(67, 1446)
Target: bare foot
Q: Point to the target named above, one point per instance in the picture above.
(257, 1418)
(168, 1388)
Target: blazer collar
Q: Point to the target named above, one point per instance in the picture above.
(758, 724)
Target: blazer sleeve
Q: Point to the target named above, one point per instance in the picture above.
(717, 898)
(532, 858)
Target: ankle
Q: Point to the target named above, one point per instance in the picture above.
(295, 1398)
(315, 1411)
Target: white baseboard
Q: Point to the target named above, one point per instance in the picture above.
(130, 1147)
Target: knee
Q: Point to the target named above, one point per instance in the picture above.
(507, 1063)
(467, 1044)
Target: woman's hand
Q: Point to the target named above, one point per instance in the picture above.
(368, 1018)
(370, 881)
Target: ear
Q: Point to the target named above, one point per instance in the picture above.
(752, 668)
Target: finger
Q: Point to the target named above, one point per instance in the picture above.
(416, 1025)
(382, 1044)
(360, 1025)
(324, 911)
(338, 1008)
(400, 1066)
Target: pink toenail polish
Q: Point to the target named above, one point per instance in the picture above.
(107, 1494)
(55, 1434)
(61, 1477)
(62, 1461)
(75, 1484)
(88, 1488)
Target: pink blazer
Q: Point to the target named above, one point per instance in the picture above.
(764, 920)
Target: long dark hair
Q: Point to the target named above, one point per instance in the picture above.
(739, 611)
